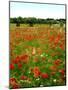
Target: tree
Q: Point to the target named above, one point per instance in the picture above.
(32, 20)
(19, 21)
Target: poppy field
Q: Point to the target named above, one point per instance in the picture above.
(37, 56)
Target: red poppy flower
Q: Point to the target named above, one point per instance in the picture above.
(17, 60)
(51, 38)
(59, 36)
(57, 62)
(29, 37)
(62, 71)
(44, 75)
(11, 66)
(15, 86)
(17, 34)
(36, 72)
(19, 65)
(24, 58)
(23, 77)
(13, 82)
(56, 40)
(61, 46)
(12, 79)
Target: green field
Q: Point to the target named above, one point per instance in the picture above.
(37, 55)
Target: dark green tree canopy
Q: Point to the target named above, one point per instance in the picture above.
(33, 20)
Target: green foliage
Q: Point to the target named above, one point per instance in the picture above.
(33, 20)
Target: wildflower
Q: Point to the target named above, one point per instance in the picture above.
(41, 55)
(15, 86)
(51, 38)
(44, 75)
(11, 66)
(59, 36)
(19, 65)
(12, 80)
(23, 77)
(57, 62)
(29, 37)
(24, 58)
(54, 80)
(62, 71)
(36, 72)
(61, 46)
(16, 60)
(57, 40)
(13, 83)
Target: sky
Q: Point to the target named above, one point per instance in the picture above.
(37, 10)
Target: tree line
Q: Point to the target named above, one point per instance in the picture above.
(32, 20)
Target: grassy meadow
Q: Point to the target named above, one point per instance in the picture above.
(37, 55)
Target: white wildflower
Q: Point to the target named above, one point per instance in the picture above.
(54, 80)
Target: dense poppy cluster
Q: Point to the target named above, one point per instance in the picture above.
(37, 58)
